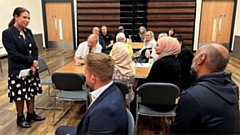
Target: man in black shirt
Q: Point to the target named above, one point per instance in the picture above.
(108, 39)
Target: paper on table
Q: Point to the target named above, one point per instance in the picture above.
(143, 65)
(24, 72)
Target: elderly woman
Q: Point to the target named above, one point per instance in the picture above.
(121, 38)
(167, 68)
(140, 37)
(124, 67)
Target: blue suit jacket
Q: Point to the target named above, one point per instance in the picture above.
(18, 53)
(107, 115)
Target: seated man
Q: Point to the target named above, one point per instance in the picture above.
(212, 101)
(100, 38)
(108, 39)
(89, 46)
(107, 113)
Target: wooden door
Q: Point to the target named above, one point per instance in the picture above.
(59, 21)
(216, 21)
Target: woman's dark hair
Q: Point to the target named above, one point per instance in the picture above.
(17, 11)
(173, 29)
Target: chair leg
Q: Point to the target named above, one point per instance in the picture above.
(54, 110)
(1, 64)
(55, 123)
(48, 108)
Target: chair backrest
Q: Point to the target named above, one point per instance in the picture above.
(67, 81)
(158, 93)
(122, 87)
(131, 124)
(42, 65)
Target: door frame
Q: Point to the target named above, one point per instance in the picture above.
(232, 27)
(45, 20)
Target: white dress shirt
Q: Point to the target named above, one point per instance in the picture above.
(96, 93)
(83, 49)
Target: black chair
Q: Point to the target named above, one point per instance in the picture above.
(124, 90)
(72, 88)
(157, 99)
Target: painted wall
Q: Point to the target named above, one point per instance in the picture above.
(34, 7)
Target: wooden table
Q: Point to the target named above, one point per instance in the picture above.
(140, 72)
(137, 45)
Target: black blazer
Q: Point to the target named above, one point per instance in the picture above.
(18, 53)
(166, 69)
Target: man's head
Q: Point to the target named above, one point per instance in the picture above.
(121, 37)
(208, 59)
(92, 40)
(99, 69)
(104, 29)
(95, 31)
(120, 29)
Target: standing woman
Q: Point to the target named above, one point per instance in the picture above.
(22, 54)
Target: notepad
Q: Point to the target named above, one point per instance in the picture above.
(143, 65)
(24, 73)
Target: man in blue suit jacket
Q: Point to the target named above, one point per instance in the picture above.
(107, 112)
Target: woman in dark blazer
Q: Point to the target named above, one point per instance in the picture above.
(166, 68)
(22, 54)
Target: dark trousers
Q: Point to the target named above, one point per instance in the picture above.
(62, 130)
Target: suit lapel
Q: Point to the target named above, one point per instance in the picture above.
(20, 38)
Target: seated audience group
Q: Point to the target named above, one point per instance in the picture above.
(208, 93)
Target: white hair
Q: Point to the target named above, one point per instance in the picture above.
(120, 34)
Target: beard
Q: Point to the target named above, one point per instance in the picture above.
(194, 70)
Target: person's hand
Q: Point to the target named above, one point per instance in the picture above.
(79, 62)
(35, 64)
(33, 69)
(147, 53)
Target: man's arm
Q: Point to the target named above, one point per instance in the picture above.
(188, 116)
(78, 54)
(111, 44)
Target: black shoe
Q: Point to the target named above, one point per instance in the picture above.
(22, 122)
(34, 117)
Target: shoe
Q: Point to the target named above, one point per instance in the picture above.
(22, 122)
(34, 117)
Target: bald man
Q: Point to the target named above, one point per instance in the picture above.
(210, 105)
(100, 38)
(86, 47)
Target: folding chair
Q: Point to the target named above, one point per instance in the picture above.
(42, 67)
(156, 99)
(72, 88)
(124, 90)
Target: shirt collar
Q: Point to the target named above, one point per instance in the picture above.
(96, 93)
